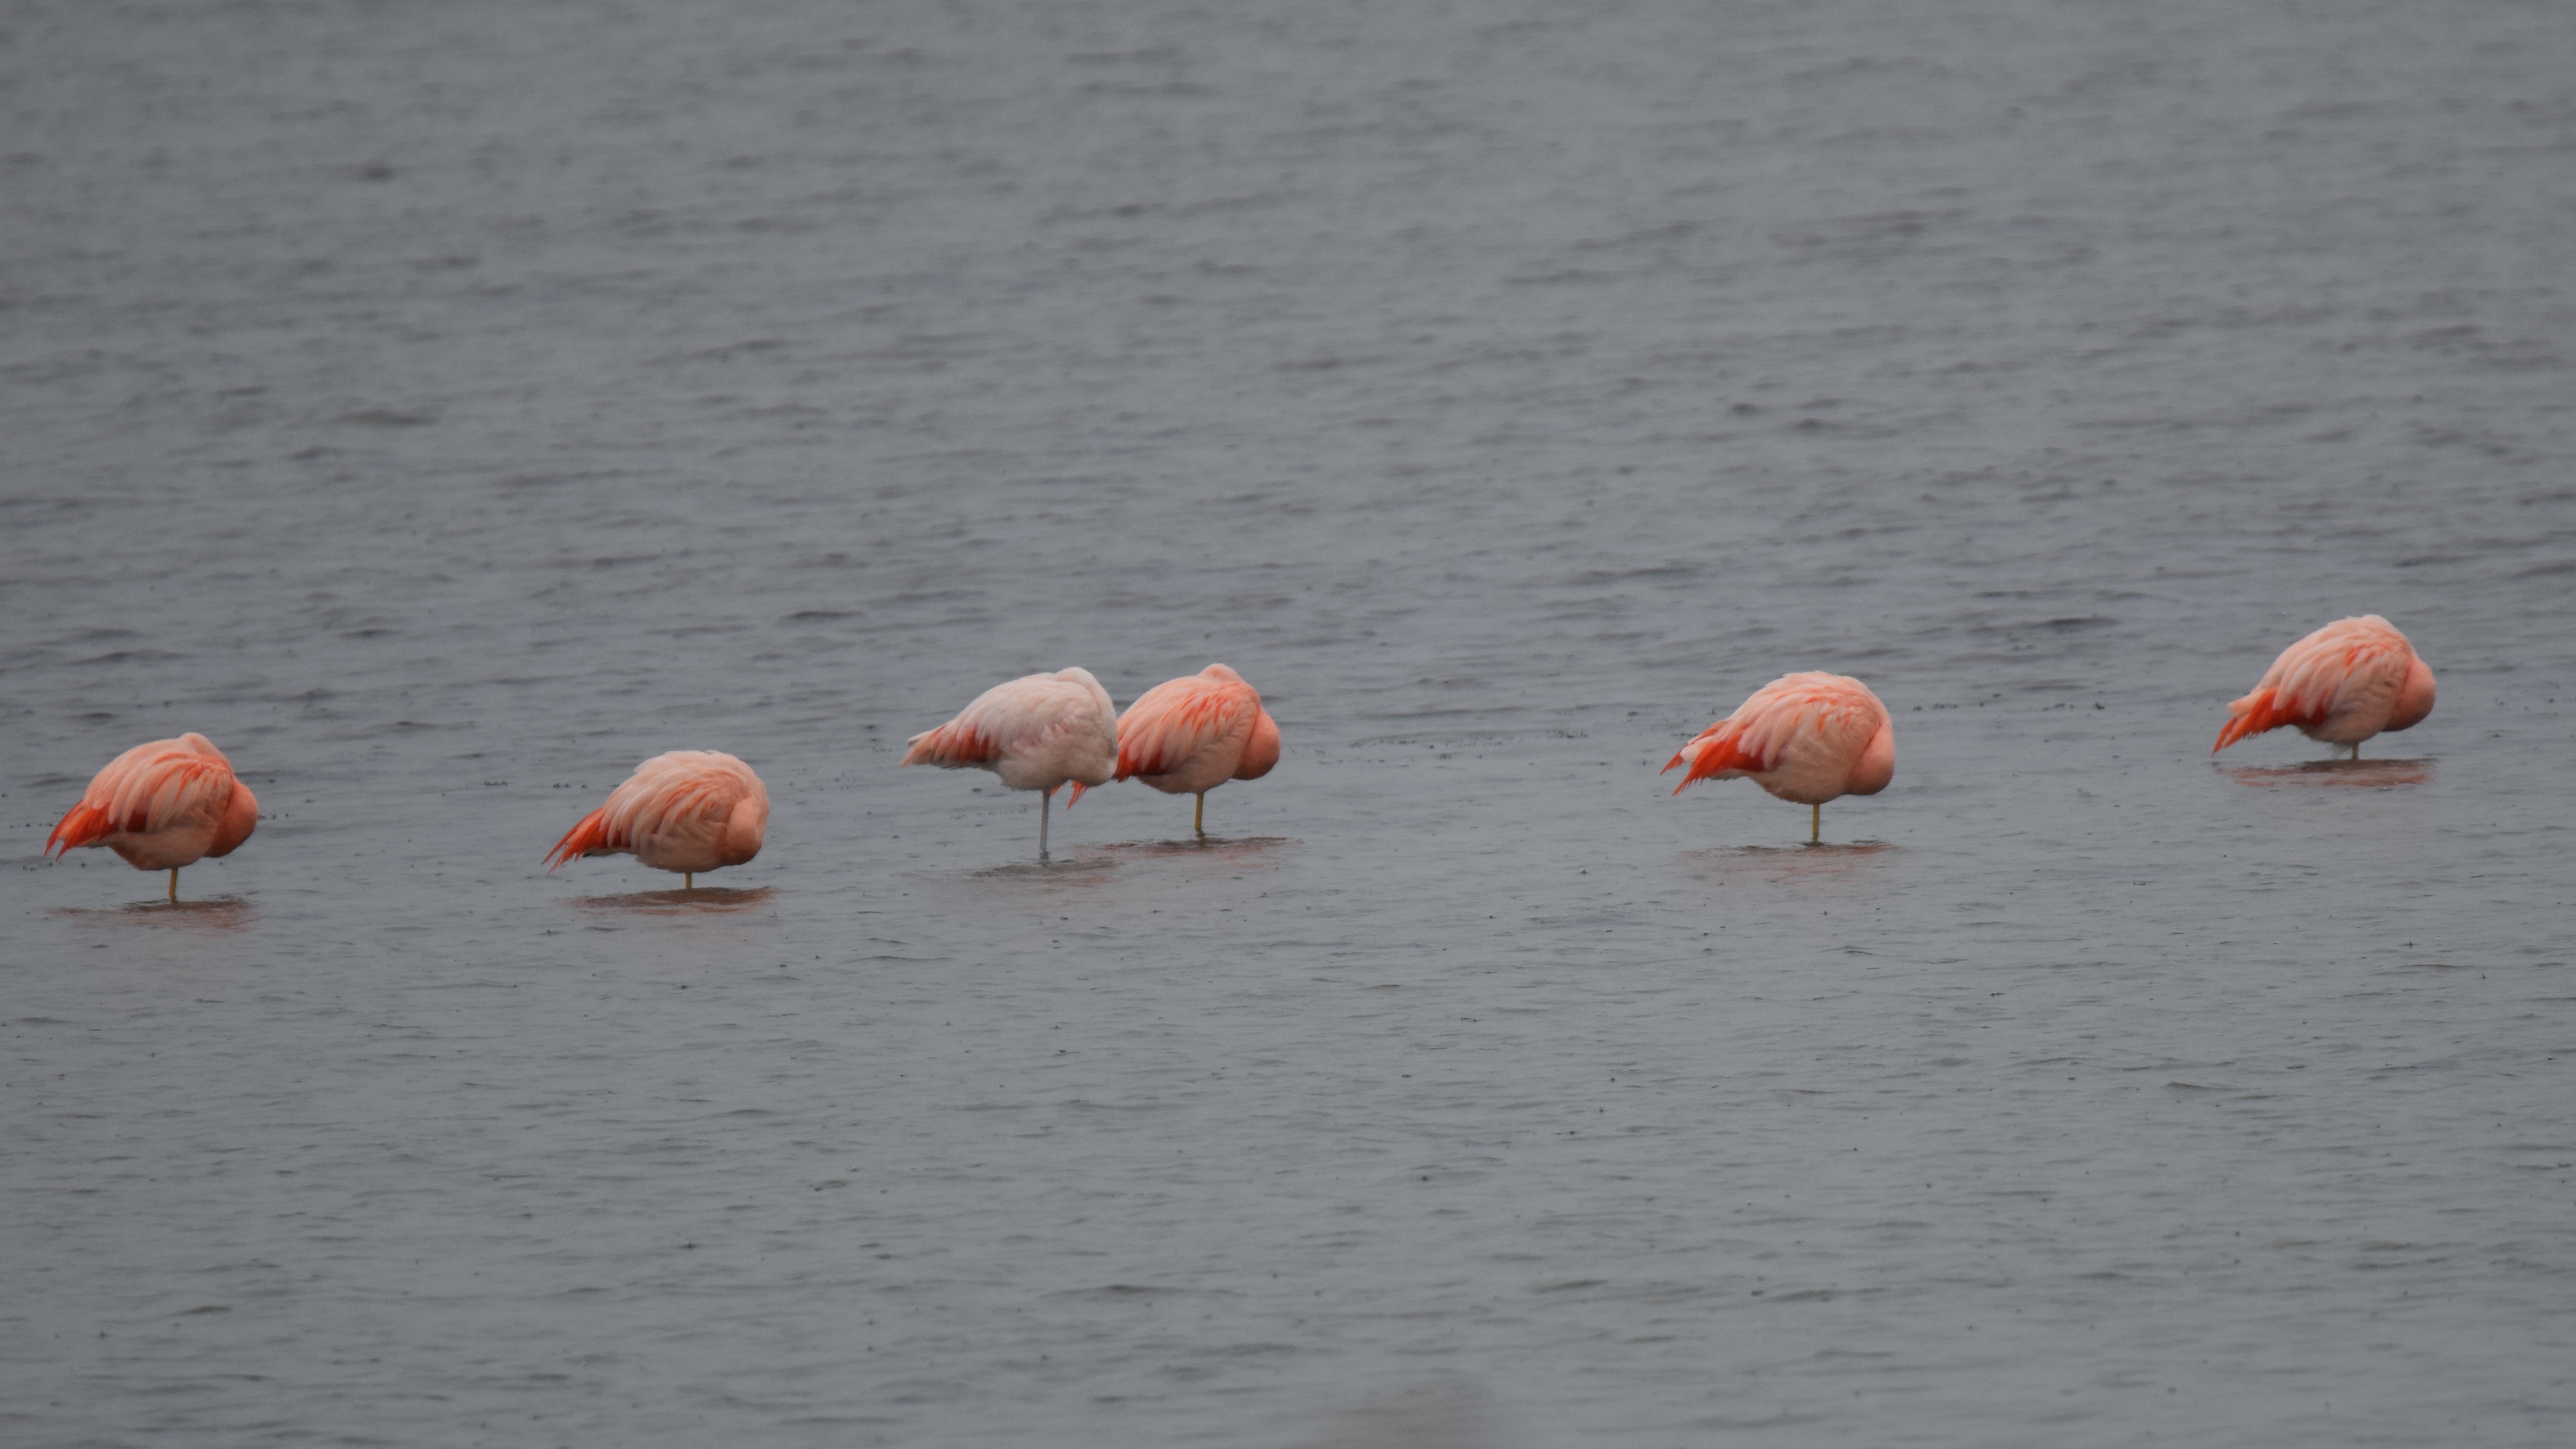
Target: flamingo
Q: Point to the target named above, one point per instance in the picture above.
(1809, 737)
(2342, 684)
(1037, 732)
(1190, 735)
(160, 806)
(687, 810)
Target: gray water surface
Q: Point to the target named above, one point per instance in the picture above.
(445, 407)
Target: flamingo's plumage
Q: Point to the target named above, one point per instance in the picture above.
(1187, 736)
(162, 805)
(2342, 684)
(685, 811)
(1037, 732)
(1809, 737)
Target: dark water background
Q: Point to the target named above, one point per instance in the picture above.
(445, 406)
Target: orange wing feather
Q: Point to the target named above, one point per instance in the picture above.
(1721, 753)
(2264, 710)
(954, 743)
(83, 824)
(591, 834)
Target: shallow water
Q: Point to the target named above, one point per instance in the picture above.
(444, 408)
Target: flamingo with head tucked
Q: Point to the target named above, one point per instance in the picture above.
(1808, 737)
(1038, 732)
(162, 805)
(686, 811)
(1187, 736)
(2342, 684)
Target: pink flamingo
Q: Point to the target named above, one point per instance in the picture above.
(688, 811)
(162, 805)
(1037, 732)
(1808, 737)
(2342, 684)
(1187, 736)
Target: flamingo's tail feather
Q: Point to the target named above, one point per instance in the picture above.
(1708, 756)
(2255, 713)
(83, 824)
(589, 835)
(950, 746)
(1132, 759)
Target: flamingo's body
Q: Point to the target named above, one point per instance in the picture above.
(685, 811)
(1187, 736)
(2342, 684)
(1809, 737)
(1038, 732)
(162, 805)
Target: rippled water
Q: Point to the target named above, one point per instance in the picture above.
(444, 408)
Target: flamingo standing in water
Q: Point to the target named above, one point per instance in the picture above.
(1037, 732)
(162, 805)
(687, 811)
(1187, 736)
(1809, 737)
(2342, 684)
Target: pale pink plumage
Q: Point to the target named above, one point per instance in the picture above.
(1809, 737)
(1037, 732)
(160, 806)
(1187, 736)
(686, 811)
(2342, 684)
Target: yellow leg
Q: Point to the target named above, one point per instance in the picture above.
(174, 883)
(688, 880)
(1198, 820)
(1815, 822)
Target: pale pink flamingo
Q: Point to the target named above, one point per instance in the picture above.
(685, 811)
(1187, 736)
(162, 805)
(1808, 737)
(1037, 732)
(2342, 684)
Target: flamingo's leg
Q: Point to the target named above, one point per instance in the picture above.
(688, 880)
(1198, 820)
(1815, 822)
(174, 883)
(1043, 801)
